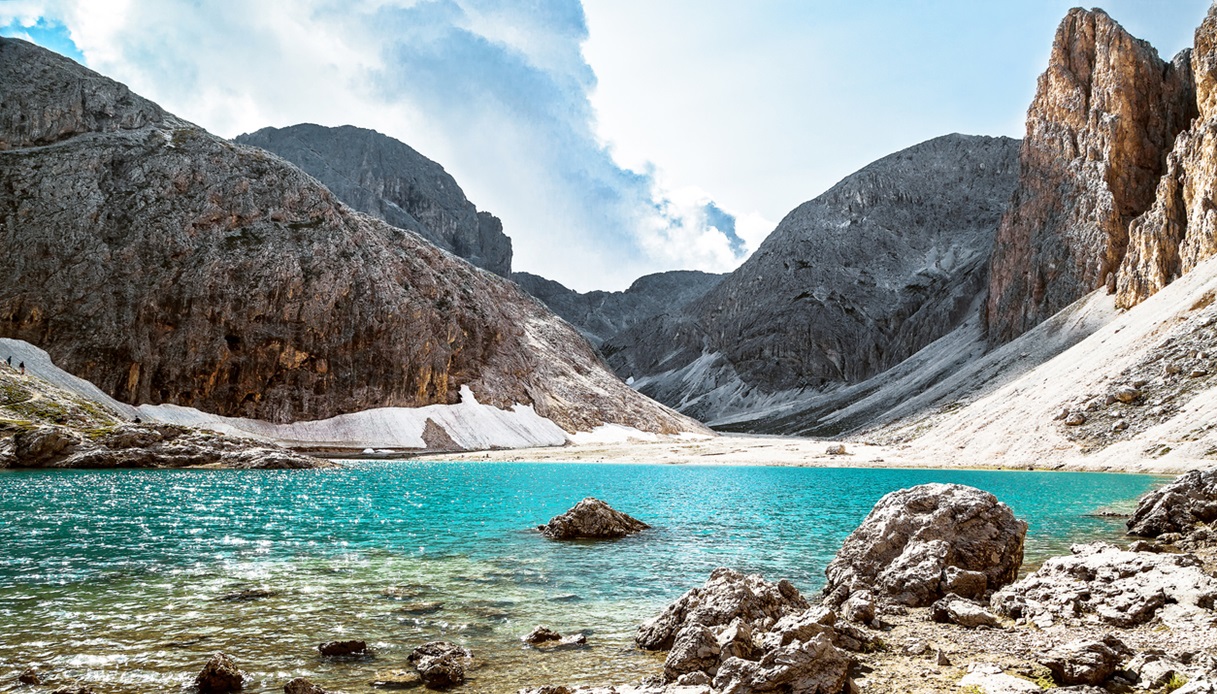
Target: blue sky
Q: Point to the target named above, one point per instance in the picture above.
(614, 137)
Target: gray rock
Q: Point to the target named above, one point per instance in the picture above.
(1198, 687)
(726, 596)
(1178, 507)
(219, 676)
(859, 607)
(1122, 588)
(803, 667)
(965, 584)
(903, 549)
(388, 179)
(990, 679)
(1154, 669)
(694, 649)
(440, 664)
(1084, 661)
(964, 613)
(591, 519)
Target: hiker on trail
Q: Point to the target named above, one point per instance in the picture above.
(21, 368)
(10, 360)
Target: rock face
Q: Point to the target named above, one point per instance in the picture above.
(599, 316)
(1105, 114)
(386, 178)
(848, 284)
(166, 265)
(591, 519)
(1085, 661)
(1121, 588)
(918, 544)
(1180, 229)
(440, 664)
(219, 676)
(1179, 507)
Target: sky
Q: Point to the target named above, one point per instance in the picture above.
(614, 138)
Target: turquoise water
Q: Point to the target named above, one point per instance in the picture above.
(115, 577)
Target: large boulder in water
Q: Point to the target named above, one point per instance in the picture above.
(1178, 507)
(728, 595)
(220, 676)
(591, 519)
(440, 664)
(917, 543)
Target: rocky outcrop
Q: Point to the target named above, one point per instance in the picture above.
(440, 664)
(387, 178)
(919, 544)
(1179, 507)
(848, 284)
(1105, 115)
(726, 596)
(1119, 587)
(142, 446)
(803, 667)
(166, 265)
(591, 519)
(600, 315)
(1180, 229)
(219, 676)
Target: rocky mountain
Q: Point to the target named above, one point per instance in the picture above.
(386, 178)
(849, 284)
(601, 315)
(167, 265)
(1105, 115)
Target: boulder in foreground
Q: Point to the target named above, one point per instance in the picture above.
(920, 544)
(440, 664)
(591, 519)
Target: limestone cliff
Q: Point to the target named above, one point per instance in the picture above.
(386, 178)
(1180, 229)
(167, 265)
(848, 285)
(1105, 114)
(601, 315)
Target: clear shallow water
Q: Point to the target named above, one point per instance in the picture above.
(115, 577)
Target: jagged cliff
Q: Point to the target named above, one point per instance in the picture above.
(167, 265)
(601, 315)
(1180, 229)
(848, 285)
(1105, 114)
(386, 178)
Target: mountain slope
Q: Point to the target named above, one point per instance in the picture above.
(849, 284)
(167, 265)
(386, 178)
(600, 315)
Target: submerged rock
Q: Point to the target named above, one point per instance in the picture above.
(30, 676)
(343, 648)
(248, 594)
(440, 664)
(591, 519)
(396, 679)
(914, 543)
(220, 676)
(302, 686)
(726, 596)
(542, 635)
(1178, 507)
(1122, 588)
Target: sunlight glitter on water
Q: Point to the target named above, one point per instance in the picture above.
(118, 578)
